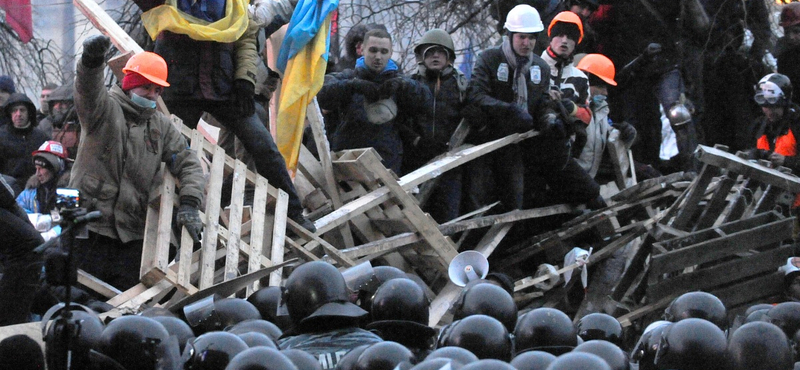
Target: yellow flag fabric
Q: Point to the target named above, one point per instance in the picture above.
(302, 80)
(167, 17)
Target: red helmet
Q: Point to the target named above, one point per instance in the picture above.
(52, 147)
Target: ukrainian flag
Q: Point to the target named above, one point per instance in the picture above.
(302, 60)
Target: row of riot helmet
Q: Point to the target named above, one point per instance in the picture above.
(379, 319)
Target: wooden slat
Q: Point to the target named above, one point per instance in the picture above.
(693, 195)
(700, 236)
(88, 280)
(717, 204)
(744, 167)
(235, 222)
(751, 289)
(103, 22)
(211, 230)
(257, 231)
(279, 237)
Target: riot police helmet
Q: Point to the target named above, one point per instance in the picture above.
(484, 336)
(545, 329)
(600, 326)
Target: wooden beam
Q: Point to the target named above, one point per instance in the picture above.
(744, 167)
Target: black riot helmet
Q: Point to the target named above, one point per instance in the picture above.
(692, 344)
(212, 351)
(757, 307)
(462, 355)
(386, 356)
(438, 364)
(139, 342)
(302, 359)
(259, 326)
(599, 326)
(80, 331)
(232, 311)
(348, 361)
(21, 352)
(260, 358)
(256, 339)
(609, 352)
(488, 364)
(698, 305)
(380, 275)
(400, 312)
(545, 329)
(644, 353)
(579, 360)
(267, 300)
(213, 314)
(758, 315)
(482, 335)
(318, 290)
(786, 316)
(759, 345)
(533, 360)
(487, 299)
(177, 327)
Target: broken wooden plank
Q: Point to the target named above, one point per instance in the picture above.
(691, 202)
(744, 167)
(718, 202)
(700, 236)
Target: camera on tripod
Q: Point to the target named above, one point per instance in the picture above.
(67, 205)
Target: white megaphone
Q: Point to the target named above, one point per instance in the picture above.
(468, 266)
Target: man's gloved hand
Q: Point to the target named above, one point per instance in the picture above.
(94, 50)
(244, 92)
(569, 106)
(189, 217)
(652, 50)
(626, 131)
(555, 128)
(521, 120)
(367, 88)
(390, 86)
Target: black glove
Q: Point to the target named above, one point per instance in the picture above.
(569, 106)
(244, 92)
(94, 50)
(555, 128)
(189, 217)
(652, 50)
(626, 131)
(390, 86)
(367, 88)
(521, 120)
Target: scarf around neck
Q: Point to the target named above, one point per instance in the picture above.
(521, 65)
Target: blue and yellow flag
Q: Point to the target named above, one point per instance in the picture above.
(302, 60)
(199, 24)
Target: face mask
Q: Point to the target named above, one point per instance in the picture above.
(598, 99)
(143, 102)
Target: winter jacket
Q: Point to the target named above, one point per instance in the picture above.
(206, 70)
(41, 198)
(789, 63)
(354, 129)
(495, 97)
(597, 135)
(779, 137)
(16, 145)
(117, 168)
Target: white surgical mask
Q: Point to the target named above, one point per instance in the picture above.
(142, 101)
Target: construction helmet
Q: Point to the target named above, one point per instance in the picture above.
(773, 89)
(462, 355)
(579, 360)
(260, 358)
(790, 15)
(385, 356)
(267, 300)
(317, 289)
(150, 66)
(600, 66)
(609, 352)
(760, 345)
(790, 270)
(53, 153)
(436, 36)
(600, 326)
(212, 351)
(487, 299)
(480, 334)
(786, 316)
(692, 344)
(545, 329)
(524, 18)
(699, 305)
(302, 359)
(533, 360)
(567, 17)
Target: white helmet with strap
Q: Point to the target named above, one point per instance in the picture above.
(524, 18)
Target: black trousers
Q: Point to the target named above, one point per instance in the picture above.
(22, 267)
(109, 259)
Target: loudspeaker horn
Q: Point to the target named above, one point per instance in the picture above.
(468, 266)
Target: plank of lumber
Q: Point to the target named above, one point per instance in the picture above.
(751, 290)
(700, 236)
(691, 202)
(744, 167)
(628, 319)
(413, 179)
(257, 231)
(88, 280)
(212, 226)
(717, 204)
(279, 236)
(103, 22)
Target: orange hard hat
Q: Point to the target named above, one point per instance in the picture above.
(150, 65)
(600, 66)
(567, 17)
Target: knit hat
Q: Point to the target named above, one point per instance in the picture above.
(7, 84)
(569, 29)
(133, 80)
(49, 161)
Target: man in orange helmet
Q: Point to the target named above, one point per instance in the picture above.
(125, 140)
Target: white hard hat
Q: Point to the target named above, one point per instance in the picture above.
(524, 19)
(791, 265)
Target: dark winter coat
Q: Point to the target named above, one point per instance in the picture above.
(789, 65)
(16, 145)
(354, 129)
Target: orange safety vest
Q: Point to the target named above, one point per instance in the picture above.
(785, 145)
